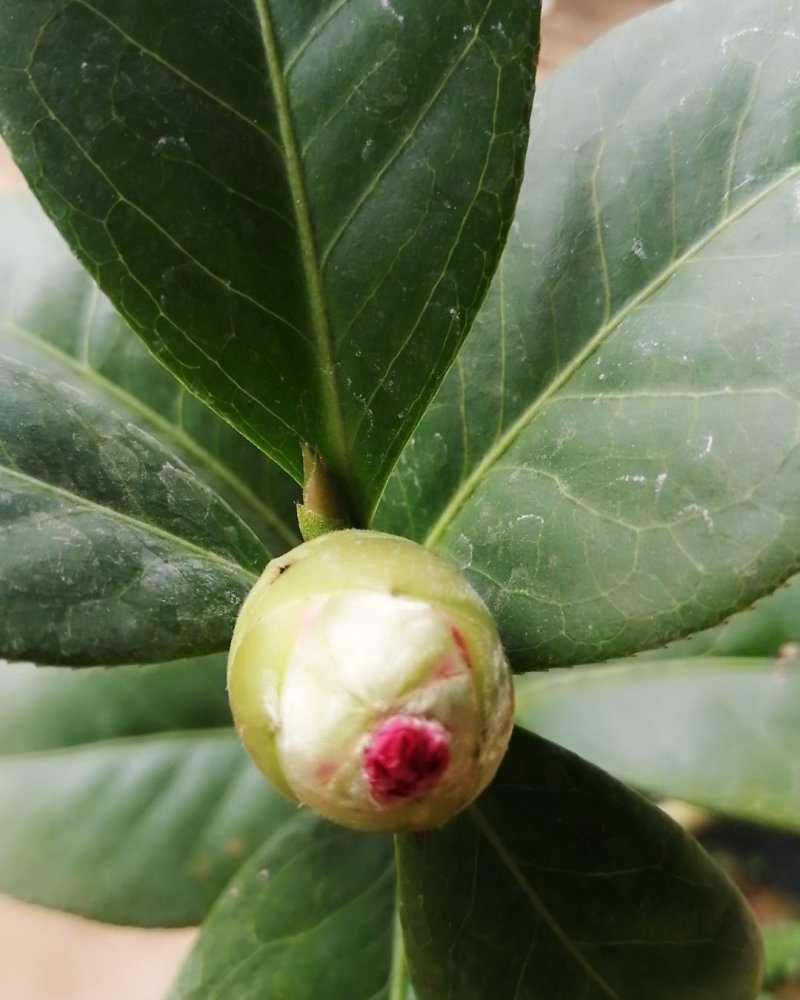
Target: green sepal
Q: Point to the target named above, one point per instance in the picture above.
(322, 509)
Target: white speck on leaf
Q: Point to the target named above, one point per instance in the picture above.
(693, 509)
(386, 5)
(462, 552)
(526, 519)
(728, 39)
(172, 142)
(519, 580)
(92, 71)
(747, 179)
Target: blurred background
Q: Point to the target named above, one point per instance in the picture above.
(46, 954)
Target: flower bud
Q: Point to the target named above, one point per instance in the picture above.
(367, 681)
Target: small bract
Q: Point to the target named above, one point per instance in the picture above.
(367, 681)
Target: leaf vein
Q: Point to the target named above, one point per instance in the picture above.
(502, 444)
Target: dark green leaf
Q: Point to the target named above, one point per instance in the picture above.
(297, 205)
(561, 883)
(614, 459)
(721, 733)
(125, 794)
(762, 630)
(53, 318)
(309, 917)
(111, 549)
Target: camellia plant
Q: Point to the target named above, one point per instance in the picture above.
(537, 423)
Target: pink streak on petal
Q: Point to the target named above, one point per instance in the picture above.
(447, 667)
(325, 770)
(309, 616)
(405, 757)
(458, 639)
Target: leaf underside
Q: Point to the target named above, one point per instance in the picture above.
(718, 732)
(125, 794)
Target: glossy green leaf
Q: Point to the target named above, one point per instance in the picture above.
(53, 318)
(596, 895)
(764, 629)
(125, 794)
(111, 549)
(309, 917)
(722, 733)
(298, 206)
(614, 459)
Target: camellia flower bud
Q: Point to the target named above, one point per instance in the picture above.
(367, 681)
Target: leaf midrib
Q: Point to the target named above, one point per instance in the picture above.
(489, 833)
(507, 439)
(340, 459)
